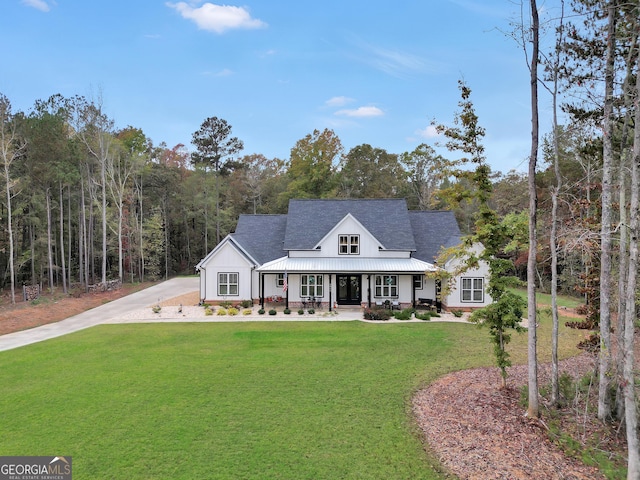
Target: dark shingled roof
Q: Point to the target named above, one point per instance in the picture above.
(261, 236)
(310, 220)
(433, 229)
(268, 237)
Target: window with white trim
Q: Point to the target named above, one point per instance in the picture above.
(349, 244)
(280, 280)
(417, 282)
(311, 286)
(227, 284)
(472, 290)
(386, 286)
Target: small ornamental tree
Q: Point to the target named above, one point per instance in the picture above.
(507, 308)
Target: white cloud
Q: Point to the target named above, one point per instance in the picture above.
(217, 18)
(338, 101)
(361, 112)
(41, 5)
(429, 132)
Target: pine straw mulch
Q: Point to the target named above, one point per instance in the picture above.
(478, 430)
(51, 308)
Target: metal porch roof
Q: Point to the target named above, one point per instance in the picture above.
(340, 265)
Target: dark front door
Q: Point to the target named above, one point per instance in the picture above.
(349, 289)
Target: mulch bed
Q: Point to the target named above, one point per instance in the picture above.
(479, 431)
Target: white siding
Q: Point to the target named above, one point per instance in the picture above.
(454, 299)
(226, 260)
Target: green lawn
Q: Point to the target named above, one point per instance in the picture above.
(545, 298)
(237, 401)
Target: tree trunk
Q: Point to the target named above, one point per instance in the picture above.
(533, 409)
(49, 249)
(604, 401)
(631, 413)
(553, 236)
(62, 259)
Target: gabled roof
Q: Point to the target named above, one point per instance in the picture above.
(433, 230)
(261, 236)
(228, 240)
(309, 221)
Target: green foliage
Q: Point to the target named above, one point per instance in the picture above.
(247, 311)
(426, 316)
(405, 314)
(261, 311)
(300, 311)
(368, 172)
(156, 309)
(154, 245)
(221, 311)
(457, 313)
(272, 311)
(226, 304)
(208, 311)
(286, 311)
(312, 169)
(377, 314)
(246, 303)
(505, 313)
(233, 311)
(311, 311)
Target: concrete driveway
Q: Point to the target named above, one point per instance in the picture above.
(144, 298)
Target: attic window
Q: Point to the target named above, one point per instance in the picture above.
(349, 244)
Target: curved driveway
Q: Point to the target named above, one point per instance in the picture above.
(95, 316)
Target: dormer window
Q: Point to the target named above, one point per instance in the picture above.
(349, 244)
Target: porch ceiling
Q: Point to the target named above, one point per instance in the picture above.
(343, 265)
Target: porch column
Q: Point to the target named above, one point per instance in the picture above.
(438, 295)
(262, 291)
(369, 291)
(330, 301)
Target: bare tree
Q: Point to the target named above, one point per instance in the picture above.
(628, 380)
(11, 148)
(533, 409)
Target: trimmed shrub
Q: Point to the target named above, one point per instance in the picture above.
(287, 311)
(426, 316)
(232, 311)
(272, 311)
(261, 311)
(226, 304)
(404, 314)
(377, 314)
(457, 313)
(246, 304)
(300, 311)
(222, 311)
(208, 311)
(311, 311)
(246, 311)
(156, 308)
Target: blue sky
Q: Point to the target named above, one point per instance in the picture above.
(375, 72)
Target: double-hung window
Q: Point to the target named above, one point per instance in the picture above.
(227, 284)
(472, 290)
(349, 245)
(386, 286)
(311, 286)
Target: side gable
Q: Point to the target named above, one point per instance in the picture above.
(226, 252)
(309, 221)
(433, 230)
